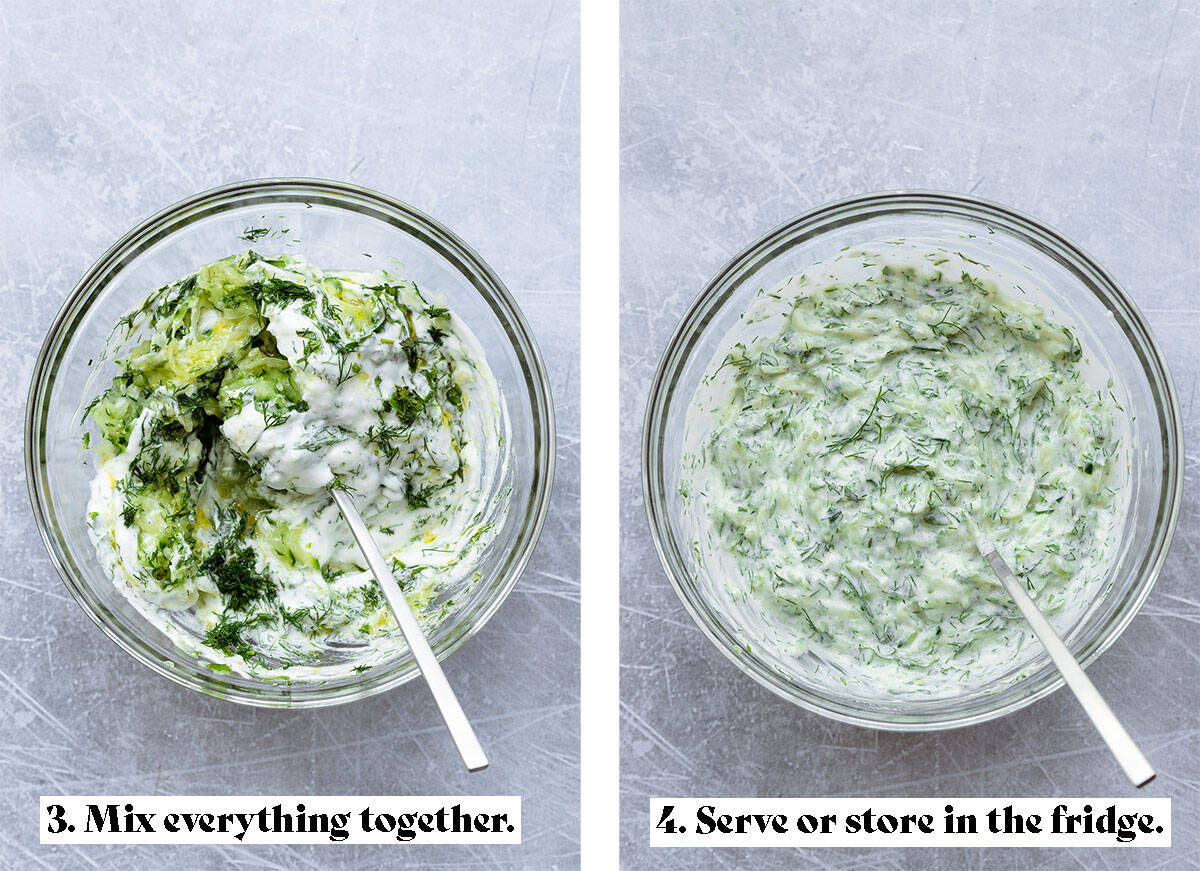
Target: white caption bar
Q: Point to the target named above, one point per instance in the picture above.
(293, 819)
(910, 822)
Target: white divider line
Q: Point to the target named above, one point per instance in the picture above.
(600, 274)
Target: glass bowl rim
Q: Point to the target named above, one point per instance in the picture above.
(340, 195)
(811, 224)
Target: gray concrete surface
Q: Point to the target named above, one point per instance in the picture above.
(111, 111)
(738, 116)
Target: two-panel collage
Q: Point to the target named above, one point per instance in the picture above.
(304, 446)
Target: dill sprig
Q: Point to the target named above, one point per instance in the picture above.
(407, 404)
(228, 636)
(237, 577)
(840, 444)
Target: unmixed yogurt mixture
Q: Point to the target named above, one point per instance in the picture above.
(869, 418)
(245, 392)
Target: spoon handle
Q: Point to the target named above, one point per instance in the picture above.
(456, 721)
(1137, 767)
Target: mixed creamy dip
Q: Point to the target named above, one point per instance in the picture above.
(244, 393)
(863, 422)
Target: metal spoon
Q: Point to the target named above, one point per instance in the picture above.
(1137, 767)
(452, 713)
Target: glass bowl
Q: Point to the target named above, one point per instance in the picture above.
(336, 226)
(1074, 288)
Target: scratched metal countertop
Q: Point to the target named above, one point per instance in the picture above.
(112, 111)
(737, 117)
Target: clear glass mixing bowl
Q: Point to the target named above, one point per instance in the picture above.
(338, 227)
(1080, 293)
